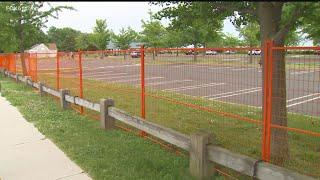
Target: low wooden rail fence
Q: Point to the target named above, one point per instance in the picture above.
(200, 145)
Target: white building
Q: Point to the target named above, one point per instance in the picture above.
(44, 50)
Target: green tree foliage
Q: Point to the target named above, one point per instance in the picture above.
(125, 37)
(101, 35)
(197, 29)
(153, 32)
(173, 38)
(85, 42)
(26, 17)
(250, 33)
(65, 38)
(293, 38)
(230, 40)
(309, 25)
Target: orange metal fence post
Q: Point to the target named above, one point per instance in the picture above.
(58, 71)
(36, 68)
(143, 96)
(29, 65)
(80, 79)
(267, 101)
(15, 60)
(270, 79)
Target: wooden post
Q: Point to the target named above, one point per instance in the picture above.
(64, 104)
(28, 78)
(17, 78)
(200, 166)
(107, 122)
(41, 89)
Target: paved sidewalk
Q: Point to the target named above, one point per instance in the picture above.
(26, 154)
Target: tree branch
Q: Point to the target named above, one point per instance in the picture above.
(297, 12)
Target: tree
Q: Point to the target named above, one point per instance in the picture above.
(84, 41)
(173, 38)
(125, 37)
(26, 16)
(309, 26)
(152, 33)
(65, 38)
(197, 30)
(276, 20)
(293, 38)
(230, 40)
(101, 35)
(251, 35)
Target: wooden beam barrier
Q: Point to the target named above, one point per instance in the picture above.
(82, 102)
(51, 91)
(156, 130)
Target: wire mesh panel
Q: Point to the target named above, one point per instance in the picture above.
(295, 120)
(113, 74)
(69, 72)
(10, 62)
(21, 58)
(215, 89)
(258, 102)
(33, 66)
(2, 61)
(46, 68)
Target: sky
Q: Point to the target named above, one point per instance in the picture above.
(118, 15)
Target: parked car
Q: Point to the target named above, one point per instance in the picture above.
(229, 52)
(135, 54)
(254, 52)
(317, 52)
(211, 52)
(191, 52)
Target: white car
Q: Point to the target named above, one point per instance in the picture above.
(254, 52)
(210, 52)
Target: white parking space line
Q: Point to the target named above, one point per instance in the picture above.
(301, 102)
(167, 82)
(102, 75)
(302, 72)
(302, 97)
(128, 76)
(193, 87)
(243, 69)
(246, 92)
(137, 79)
(101, 72)
(217, 68)
(103, 67)
(233, 59)
(232, 92)
(189, 65)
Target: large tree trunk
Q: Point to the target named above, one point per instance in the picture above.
(177, 53)
(195, 52)
(270, 18)
(251, 56)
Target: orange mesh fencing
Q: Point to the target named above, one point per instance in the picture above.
(262, 102)
(33, 66)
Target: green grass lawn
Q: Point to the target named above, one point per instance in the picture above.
(234, 134)
(103, 154)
